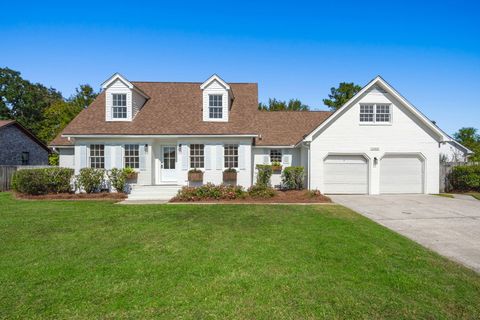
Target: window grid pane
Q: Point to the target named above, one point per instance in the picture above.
(132, 156)
(197, 156)
(97, 156)
(383, 113)
(215, 106)
(275, 155)
(119, 103)
(230, 153)
(375, 113)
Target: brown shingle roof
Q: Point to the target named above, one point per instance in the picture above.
(176, 108)
(284, 128)
(5, 122)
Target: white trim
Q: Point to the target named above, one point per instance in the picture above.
(117, 76)
(379, 81)
(214, 77)
(274, 147)
(161, 136)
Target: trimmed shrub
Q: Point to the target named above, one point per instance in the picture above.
(465, 178)
(261, 192)
(293, 177)
(118, 178)
(42, 180)
(210, 191)
(263, 175)
(91, 179)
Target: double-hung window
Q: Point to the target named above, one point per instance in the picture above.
(97, 156)
(230, 155)
(375, 113)
(119, 106)
(215, 106)
(131, 156)
(197, 156)
(275, 155)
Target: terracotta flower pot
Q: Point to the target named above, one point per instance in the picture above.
(195, 176)
(229, 176)
(276, 168)
(132, 175)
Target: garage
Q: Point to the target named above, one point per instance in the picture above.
(401, 174)
(345, 174)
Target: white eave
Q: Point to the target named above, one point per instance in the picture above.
(161, 135)
(118, 76)
(212, 79)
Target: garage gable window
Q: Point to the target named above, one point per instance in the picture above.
(375, 113)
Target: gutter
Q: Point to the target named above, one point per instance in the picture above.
(160, 136)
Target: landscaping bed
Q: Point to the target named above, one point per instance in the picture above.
(287, 196)
(74, 196)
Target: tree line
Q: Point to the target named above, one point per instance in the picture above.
(43, 111)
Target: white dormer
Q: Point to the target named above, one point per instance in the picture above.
(216, 99)
(122, 99)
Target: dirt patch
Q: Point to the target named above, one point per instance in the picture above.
(290, 196)
(74, 196)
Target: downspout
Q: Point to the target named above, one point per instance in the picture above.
(307, 145)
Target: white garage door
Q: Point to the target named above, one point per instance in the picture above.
(345, 174)
(401, 174)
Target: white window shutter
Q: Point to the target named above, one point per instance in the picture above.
(142, 156)
(266, 158)
(208, 157)
(241, 156)
(219, 162)
(108, 157)
(82, 156)
(286, 158)
(118, 156)
(185, 156)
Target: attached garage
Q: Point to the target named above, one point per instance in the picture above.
(401, 174)
(345, 174)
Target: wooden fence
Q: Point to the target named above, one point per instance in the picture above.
(6, 174)
(445, 170)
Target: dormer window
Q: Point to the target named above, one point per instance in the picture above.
(119, 106)
(215, 106)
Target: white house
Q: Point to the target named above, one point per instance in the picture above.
(376, 143)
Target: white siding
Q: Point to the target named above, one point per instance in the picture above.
(66, 157)
(121, 88)
(137, 103)
(405, 134)
(216, 88)
(452, 153)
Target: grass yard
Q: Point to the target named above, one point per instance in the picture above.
(476, 195)
(94, 259)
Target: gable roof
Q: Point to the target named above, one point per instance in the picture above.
(174, 108)
(7, 123)
(379, 81)
(214, 78)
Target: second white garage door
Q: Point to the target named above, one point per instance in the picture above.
(345, 174)
(401, 174)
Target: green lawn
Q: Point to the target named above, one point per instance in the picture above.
(86, 260)
(476, 195)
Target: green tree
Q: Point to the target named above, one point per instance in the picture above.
(278, 105)
(83, 97)
(339, 96)
(24, 101)
(469, 137)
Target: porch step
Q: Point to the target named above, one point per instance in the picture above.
(156, 192)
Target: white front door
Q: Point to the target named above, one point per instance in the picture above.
(168, 161)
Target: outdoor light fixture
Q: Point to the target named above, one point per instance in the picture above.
(375, 160)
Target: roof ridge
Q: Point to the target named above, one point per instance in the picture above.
(188, 82)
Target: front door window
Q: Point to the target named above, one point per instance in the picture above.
(169, 157)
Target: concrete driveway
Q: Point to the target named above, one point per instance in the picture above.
(448, 226)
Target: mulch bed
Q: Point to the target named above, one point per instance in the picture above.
(290, 196)
(74, 196)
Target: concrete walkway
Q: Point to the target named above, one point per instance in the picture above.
(448, 226)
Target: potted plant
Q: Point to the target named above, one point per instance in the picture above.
(130, 173)
(276, 166)
(230, 175)
(195, 175)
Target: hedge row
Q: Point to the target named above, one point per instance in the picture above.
(465, 178)
(43, 180)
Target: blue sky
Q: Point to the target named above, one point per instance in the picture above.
(429, 51)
